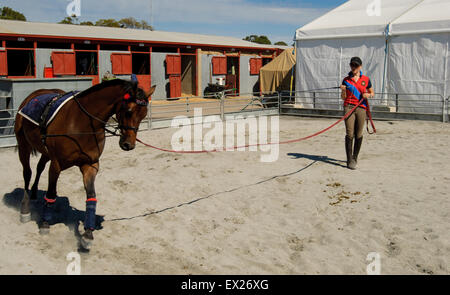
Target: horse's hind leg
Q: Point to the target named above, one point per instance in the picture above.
(24, 156)
(50, 198)
(40, 167)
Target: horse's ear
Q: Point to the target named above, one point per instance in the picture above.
(151, 91)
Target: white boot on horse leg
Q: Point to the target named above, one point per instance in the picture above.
(25, 214)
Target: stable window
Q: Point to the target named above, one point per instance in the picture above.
(140, 48)
(63, 63)
(165, 49)
(85, 46)
(20, 63)
(19, 44)
(173, 64)
(141, 63)
(86, 63)
(219, 65)
(121, 63)
(54, 45)
(114, 47)
(255, 65)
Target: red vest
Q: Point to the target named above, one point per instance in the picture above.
(361, 85)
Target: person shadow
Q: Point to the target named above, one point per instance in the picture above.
(62, 213)
(324, 159)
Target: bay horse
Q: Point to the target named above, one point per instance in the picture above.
(76, 137)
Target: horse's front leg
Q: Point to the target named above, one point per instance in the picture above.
(89, 172)
(50, 197)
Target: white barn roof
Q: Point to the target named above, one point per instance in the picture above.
(122, 34)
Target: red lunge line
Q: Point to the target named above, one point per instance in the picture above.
(91, 200)
(369, 118)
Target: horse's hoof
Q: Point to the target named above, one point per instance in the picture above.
(44, 228)
(24, 218)
(87, 239)
(86, 243)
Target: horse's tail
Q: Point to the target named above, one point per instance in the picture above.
(19, 132)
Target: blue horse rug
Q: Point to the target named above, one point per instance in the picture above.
(42, 109)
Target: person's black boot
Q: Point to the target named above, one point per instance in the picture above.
(351, 164)
(357, 148)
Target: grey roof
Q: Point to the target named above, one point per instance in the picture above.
(78, 31)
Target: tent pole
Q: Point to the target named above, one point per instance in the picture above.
(386, 54)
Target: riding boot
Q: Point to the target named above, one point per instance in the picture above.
(348, 149)
(357, 148)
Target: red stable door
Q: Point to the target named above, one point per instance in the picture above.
(173, 69)
(175, 85)
(144, 82)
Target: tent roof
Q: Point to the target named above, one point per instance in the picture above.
(351, 19)
(11, 27)
(283, 62)
(427, 16)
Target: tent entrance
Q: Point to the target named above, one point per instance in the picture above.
(188, 72)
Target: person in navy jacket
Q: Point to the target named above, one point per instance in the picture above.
(355, 87)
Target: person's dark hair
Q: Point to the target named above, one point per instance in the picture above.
(356, 61)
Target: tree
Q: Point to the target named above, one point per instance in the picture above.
(281, 43)
(88, 23)
(9, 13)
(70, 20)
(258, 39)
(129, 22)
(110, 22)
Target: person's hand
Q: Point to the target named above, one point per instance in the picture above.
(343, 87)
(367, 95)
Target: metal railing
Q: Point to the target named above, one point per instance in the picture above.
(160, 113)
(409, 103)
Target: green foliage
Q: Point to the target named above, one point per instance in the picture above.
(110, 22)
(281, 43)
(132, 23)
(69, 20)
(129, 22)
(9, 13)
(258, 39)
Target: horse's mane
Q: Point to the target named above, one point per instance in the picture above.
(128, 86)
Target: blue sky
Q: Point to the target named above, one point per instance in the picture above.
(238, 18)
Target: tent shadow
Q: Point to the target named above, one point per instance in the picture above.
(324, 159)
(63, 212)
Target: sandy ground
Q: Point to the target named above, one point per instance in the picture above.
(229, 213)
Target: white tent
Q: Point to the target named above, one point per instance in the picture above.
(403, 45)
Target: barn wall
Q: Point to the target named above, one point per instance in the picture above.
(248, 83)
(43, 59)
(206, 60)
(159, 77)
(104, 63)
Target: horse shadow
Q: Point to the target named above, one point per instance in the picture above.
(62, 213)
(324, 159)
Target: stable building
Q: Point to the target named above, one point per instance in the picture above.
(180, 64)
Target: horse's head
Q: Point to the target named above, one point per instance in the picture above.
(129, 114)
